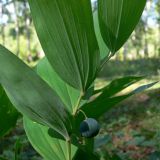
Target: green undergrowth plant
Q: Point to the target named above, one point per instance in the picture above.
(58, 101)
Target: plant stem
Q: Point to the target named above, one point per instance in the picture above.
(78, 103)
(69, 150)
(83, 113)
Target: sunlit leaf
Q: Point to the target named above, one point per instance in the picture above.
(68, 94)
(65, 30)
(144, 87)
(104, 51)
(118, 85)
(100, 105)
(118, 19)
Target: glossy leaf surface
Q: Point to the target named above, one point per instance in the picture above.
(118, 85)
(66, 32)
(98, 107)
(30, 94)
(117, 19)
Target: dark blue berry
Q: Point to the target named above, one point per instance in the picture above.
(89, 128)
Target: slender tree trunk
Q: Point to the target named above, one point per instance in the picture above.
(138, 53)
(125, 52)
(27, 30)
(146, 52)
(3, 35)
(158, 46)
(2, 23)
(17, 27)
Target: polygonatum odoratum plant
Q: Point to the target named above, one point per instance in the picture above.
(56, 100)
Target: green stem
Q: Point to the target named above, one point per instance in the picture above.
(78, 103)
(69, 150)
(83, 113)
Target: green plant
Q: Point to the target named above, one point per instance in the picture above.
(59, 97)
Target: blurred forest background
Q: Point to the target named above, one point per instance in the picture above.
(132, 129)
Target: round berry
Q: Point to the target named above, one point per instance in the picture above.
(89, 128)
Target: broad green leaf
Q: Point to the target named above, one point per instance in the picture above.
(99, 106)
(68, 94)
(117, 86)
(104, 51)
(8, 114)
(117, 19)
(66, 32)
(49, 148)
(31, 95)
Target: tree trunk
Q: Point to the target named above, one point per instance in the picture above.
(17, 27)
(138, 53)
(125, 50)
(27, 30)
(2, 23)
(158, 46)
(146, 52)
